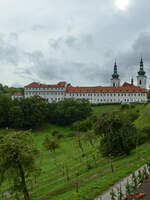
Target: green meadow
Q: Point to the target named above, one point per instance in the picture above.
(58, 176)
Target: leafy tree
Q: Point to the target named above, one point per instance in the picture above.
(17, 159)
(5, 105)
(16, 117)
(116, 135)
(34, 111)
(90, 137)
(68, 111)
(84, 125)
(51, 145)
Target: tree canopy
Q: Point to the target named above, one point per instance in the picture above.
(116, 135)
(17, 159)
(68, 111)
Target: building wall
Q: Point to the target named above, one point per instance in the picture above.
(142, 81)
(58, 94)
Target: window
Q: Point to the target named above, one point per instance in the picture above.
(140, 82)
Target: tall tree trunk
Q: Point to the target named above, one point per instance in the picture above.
(25, 191)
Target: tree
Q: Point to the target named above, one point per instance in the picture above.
(5, 105)
(16, 117)
(116, 135)
(51, 145)
(34, 111)
(68, 111)
(17, 159)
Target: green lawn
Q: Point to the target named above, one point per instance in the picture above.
(52, 185)
(99, 110)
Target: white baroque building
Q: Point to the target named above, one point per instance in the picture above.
(127, 93)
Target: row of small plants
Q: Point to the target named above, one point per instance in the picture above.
(130, 187)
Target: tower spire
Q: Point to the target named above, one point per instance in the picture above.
(115, 77)
(141, 71)
(115, 74)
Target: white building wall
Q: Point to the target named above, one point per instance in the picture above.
(142, 81)
(58, 94)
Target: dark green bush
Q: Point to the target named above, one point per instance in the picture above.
(68, 111)
(82, 125)
(124, 107)
(117, 135)
(57, 134)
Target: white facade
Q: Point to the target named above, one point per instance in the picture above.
(142, 81)
(110, 97)
(49, 93)
(16, 95)
(60, 93)
(115, 82)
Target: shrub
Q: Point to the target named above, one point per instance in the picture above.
(82, 126)
(124, 107)
(72, 134)
(57, 134)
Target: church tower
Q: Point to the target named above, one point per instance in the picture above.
(141, 78)
(115, 81)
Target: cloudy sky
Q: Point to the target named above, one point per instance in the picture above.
(72, 40)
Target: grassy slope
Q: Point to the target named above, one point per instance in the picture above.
(52, 185)
(144, 118)
(99, 110)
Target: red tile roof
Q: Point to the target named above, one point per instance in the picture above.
(125, 88)
(17, 94)
(37, 85)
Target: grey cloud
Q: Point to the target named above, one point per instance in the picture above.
(71, 41)
(8, 52)
(38, 27)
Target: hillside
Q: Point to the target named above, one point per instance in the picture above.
(57, 178)
(144, 119)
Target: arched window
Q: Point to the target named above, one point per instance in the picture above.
(140, 82)
(114, 84)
